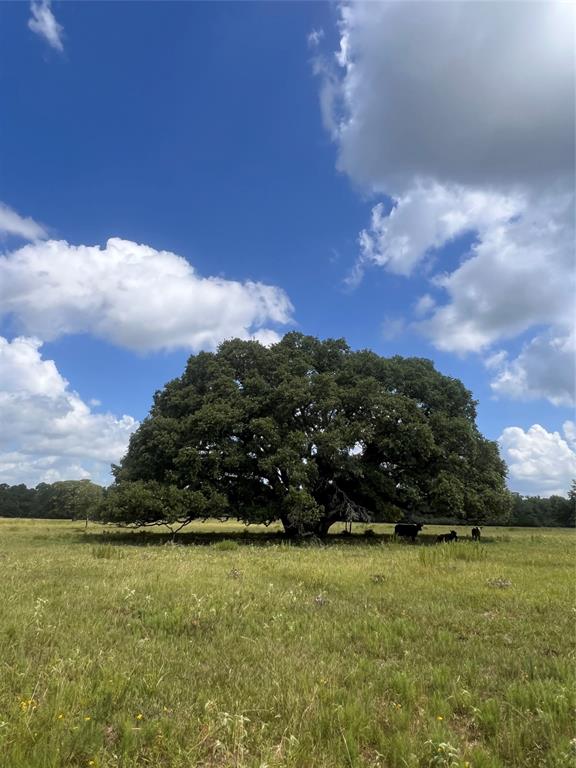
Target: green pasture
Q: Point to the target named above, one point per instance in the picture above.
(233, 647)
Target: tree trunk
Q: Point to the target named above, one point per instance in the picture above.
(323, 525)
(319, 529)
(291, 530)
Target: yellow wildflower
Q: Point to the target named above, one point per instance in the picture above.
(139, 716)
(439, 717)
(87, 717)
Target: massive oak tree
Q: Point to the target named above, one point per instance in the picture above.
(310, 432)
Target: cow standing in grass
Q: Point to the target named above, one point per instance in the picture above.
(408, 530)
(476, 533)
(452, 536)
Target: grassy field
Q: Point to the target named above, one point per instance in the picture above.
(234, 650)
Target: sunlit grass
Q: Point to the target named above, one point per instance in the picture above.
(227, 648)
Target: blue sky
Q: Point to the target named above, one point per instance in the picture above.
(293, 155)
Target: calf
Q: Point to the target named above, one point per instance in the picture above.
(452, 536)
(475, 533)
(408, 530)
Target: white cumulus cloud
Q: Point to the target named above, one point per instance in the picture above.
(545, 368)
(463, 114)
(518, 275)
(540, 463)
(132, 295)
(48, 432)
(474, 93)
(425, 218)
(43, 22)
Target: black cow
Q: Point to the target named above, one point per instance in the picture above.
(475, 533)
(408, 530)
(452, 536)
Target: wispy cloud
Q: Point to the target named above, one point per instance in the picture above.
(11, 223)
(43, 23)
(315, 37)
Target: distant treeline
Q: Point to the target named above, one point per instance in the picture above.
(533, 511)
(69, 499)
(75, 499)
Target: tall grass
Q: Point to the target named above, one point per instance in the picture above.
(469, 552)
(350, 654)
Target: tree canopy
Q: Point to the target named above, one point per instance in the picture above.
(310, 432)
